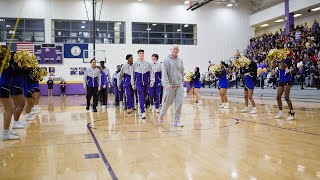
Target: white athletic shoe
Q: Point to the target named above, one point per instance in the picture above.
(254, 111)
(226, 105)
(37, 107)
(221, 105)
(121, 104)
(29, 117)
(33, 112)
(279, 115)
(18, 125)
(160, 120)
(150, 108)
(143, 115)
(13, 132)
(177, 124)
(103, 106)
(6, 135)
(290, 117)
(245, 110)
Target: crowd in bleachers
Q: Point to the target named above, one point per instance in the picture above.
(304, 44)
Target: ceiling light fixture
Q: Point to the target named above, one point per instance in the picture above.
(83, 27)
(230, 5)
(315, 9)
(154, 24)
(264, 25)
(297, 15)
(186, 2)
(279, 20)
(186, 25)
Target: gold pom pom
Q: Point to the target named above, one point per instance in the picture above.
(278, 54)
(214, 69)
(242, 62)
(5, 55)
(188, 76)
(22, 58)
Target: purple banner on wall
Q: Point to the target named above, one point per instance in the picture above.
(49, 53)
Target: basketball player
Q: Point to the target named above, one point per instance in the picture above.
(140, 80)
(108, 76)
(155, 85)
(172, 81)
(124, 76)
(117, 94)
(103, 87)
(92, 83)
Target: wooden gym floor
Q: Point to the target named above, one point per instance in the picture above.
(67, 142)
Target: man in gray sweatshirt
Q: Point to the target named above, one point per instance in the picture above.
(172, 81)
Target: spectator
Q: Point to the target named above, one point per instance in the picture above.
(301, 76)
(50, 86)
(63, 87)
(315, 26)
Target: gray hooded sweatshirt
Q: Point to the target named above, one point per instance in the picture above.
(172, 72)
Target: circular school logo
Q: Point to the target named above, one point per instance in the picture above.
(75, 51)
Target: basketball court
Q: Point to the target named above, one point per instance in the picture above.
(66, 142)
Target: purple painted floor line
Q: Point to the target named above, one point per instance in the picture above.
(106, 162)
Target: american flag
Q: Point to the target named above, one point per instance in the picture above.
(19, 46)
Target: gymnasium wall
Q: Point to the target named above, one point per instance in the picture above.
(221, 30)
(297, 21)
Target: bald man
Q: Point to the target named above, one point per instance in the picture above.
(172, 81)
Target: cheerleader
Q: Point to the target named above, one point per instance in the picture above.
(223, 85)
(285, 84)
(92, 83)
(5, 81)
(250, 75)
(36, 90)
(197, 85)
(17, 89)
(29, 95)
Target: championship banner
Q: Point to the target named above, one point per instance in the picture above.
(74, 50)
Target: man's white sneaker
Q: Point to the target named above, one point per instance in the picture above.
(18, 125)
